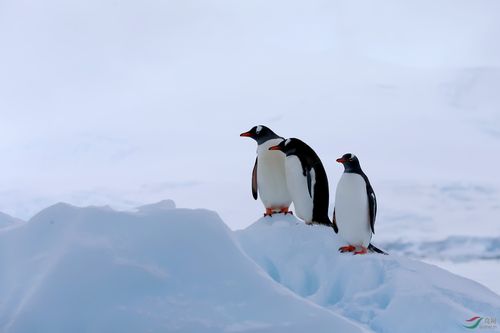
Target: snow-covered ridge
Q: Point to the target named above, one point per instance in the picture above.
(165, 269)
(93, 269)
(386, 293)
(8, 221)
(162, 205)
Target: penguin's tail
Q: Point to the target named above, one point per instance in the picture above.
(372, 248)
(326, 221)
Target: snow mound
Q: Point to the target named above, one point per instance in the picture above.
(162, 269)
(93, 269)
(385, 293)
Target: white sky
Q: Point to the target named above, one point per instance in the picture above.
(125, 103)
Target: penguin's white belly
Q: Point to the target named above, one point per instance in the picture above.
(271, 177)
(351, 210)
(297, 186)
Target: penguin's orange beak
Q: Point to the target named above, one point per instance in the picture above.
(341, 160)
(275, 148)
(246, 134)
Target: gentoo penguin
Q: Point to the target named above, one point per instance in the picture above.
(268, 175)
(355, 208)
(306, 180)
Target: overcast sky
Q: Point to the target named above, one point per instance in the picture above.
(130, 102)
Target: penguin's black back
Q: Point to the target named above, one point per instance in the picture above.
(310, 160)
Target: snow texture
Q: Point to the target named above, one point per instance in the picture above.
(94, 269)
(386, 293)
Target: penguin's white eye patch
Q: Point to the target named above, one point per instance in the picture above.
(259, 128)
(287, 142)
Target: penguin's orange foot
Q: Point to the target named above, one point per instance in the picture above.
(362, 251)
(285, 211)
(269, 212)
(348, 248)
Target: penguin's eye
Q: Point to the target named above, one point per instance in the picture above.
(259, 128)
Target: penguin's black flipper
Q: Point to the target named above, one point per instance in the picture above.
(334, 223)
(372, 204)
(375, 249)
(254, 179)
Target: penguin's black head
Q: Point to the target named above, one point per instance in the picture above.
(261, 134)
(288, 146)
(350, 162)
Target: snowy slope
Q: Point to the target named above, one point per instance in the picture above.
(163, 269)
(387, 293)
(96, 270)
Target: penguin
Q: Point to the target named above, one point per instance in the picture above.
(268, 175)
(355, 208)
(306, 180)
